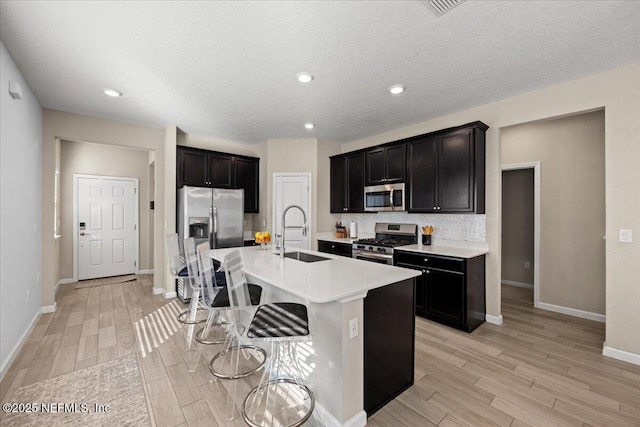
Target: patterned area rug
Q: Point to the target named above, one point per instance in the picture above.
(105, 281)
(108, 394)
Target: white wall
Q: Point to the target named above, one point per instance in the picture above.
(20, 207)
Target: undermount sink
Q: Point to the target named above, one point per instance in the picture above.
(305, 257)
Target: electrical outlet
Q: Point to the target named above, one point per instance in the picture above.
(625, 235)
(28, 295)
(527, 264)
(353, 328)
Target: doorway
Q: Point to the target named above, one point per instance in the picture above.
(105, 213)
(520, 232)
(292, 189)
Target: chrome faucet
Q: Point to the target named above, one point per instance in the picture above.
(304, 227)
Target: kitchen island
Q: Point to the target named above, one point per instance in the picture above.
(351, 376)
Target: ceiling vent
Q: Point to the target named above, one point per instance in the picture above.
(440, 7)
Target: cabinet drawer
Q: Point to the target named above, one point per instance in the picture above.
(343, 249)
(423, 260)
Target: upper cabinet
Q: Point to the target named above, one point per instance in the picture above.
(203, 168)
(446, 171)
(385, 164)
(347, 182)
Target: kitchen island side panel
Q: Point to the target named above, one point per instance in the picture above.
(389, 331)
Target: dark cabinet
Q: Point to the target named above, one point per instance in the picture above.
(335, 248)
(347, 183)
(385, 164)
(203, 168)
(446, 171)
(450, 290)
(247, 177)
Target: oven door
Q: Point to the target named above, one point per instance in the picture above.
(380, 198)
(373, 257)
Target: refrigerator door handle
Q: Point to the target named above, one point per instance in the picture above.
(211, 227)
(215, 227)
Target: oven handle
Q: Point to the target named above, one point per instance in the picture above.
(372, 256)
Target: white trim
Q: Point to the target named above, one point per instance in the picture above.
(310, 232)
(625, 356)
(136, 241)
(49, 308)
(164, 293)
(358, 420)
(536, 223)
(572, 312)
(6, 363)
(145, 271)
(62, 282)
(496, 320)
(518, 284)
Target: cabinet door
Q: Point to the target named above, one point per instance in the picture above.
(191, 168)
(422, 175)
(395, 163)
(355, 183)
(456, 172)
(445, 296)
(338, 184)
(247, 177)
(221, 171)
(421, 288)
(375, 166)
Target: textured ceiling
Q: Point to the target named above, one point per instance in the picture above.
(227, 69)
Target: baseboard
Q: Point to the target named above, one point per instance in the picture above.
(496, 320)
(145, 271)
(6, 363)
(518, 284)
(49, 308)
(62, 282)
(358, 420)
(572, 312)
(165, 294)
(625, 356)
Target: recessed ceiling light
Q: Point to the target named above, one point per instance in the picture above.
(304, 77)
(112, 92)
(396, 89)
(309, 125)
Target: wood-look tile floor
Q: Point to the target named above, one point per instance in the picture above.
(539, 368)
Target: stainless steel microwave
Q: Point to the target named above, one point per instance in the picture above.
(381, 198)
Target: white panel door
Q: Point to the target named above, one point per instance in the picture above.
(290, 189)
(106, 227)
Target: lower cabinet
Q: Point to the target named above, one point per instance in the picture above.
(335, 248)
(450, 290)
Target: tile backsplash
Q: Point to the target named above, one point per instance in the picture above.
(469, 228)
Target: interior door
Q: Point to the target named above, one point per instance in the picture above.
(106, 227)
(290, 190)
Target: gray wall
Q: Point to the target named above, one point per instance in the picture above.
(97, 159)
(572, 205)
(517, 226)
(20, 207)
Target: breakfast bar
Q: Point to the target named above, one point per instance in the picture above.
(362, 323)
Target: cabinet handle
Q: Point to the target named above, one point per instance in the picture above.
(426, 260)
(427, 272)
(424, 271)
(344, 209)
(333, 246)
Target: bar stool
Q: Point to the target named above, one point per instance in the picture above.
(280, 398)
(180, 271)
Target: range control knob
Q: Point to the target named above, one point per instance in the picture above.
(381, 250)
(370, 248)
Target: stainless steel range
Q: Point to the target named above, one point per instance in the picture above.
(380, 248)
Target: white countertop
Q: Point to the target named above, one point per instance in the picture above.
(337, 279)
(331, 237)
(447, 250)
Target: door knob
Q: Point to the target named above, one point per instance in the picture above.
(82, 233)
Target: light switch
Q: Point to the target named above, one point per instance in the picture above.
(625, 235)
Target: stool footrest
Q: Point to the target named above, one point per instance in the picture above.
(237, 375)
(249, 414)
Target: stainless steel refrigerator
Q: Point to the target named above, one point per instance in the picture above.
(213, 214)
